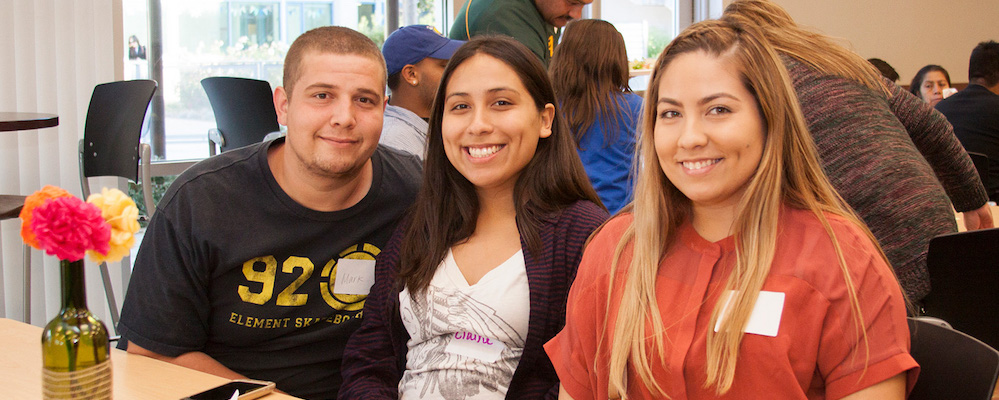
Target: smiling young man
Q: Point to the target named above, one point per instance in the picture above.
(535, 23)
(258, 261)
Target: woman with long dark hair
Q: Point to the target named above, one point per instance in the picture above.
(590, 73)
(475, 281)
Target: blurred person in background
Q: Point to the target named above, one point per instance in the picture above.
(974, 111)
(892, 157)
(930, 84)
(534, 23)
(884, 68)
(590, 75)
(416, 56)
(136, 51)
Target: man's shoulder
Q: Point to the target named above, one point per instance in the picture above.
(482, 8)
(396, 157)
(499, 13)
(212, 170)
(970, 100)
(399, 168)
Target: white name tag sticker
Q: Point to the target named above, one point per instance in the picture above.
(354, 276)
(765, 319)
(475, 346)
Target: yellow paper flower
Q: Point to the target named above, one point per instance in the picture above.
(121, 213)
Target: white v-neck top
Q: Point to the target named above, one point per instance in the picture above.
(465, 340)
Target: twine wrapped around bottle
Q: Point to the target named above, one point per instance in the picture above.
(89, 383)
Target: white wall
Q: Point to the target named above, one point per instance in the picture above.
(908, 34)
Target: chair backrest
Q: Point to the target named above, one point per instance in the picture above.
(952, 364)
(981, 162)
(244, 109)
(110, 147)
(964, 282)
(113, 127)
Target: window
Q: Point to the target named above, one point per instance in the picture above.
(647, 27)
(247, 38)
(203, 38)
(251, 23)
(304, 16)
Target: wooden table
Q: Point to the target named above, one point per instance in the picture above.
(135, 377)
(19, 121)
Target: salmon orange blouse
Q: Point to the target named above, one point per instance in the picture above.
(815, 354)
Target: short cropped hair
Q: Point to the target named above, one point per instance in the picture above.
(394, 80)
(984, 63)
(329, 39)
(884, 68)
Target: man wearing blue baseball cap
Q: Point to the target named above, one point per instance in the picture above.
(416, 56)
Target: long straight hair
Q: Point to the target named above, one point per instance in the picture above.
(447, 207)
(590, 74)
(816, 50)
(789, 174)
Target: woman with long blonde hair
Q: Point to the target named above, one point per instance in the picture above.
(740, 272)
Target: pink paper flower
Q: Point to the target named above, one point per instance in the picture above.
(66, 227)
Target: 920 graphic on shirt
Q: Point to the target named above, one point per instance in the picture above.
(261, 286)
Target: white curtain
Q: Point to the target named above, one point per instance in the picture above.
(52, 54)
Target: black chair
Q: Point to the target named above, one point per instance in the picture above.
(244, 112)
(110, 147)
(952, 364)
(964, 282)
(981, 162)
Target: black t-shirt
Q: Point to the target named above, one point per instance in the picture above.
(233, 267)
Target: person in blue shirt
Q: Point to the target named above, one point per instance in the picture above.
(590, 75)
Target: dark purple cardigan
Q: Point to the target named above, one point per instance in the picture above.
(375, 356)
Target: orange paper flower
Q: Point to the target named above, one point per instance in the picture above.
(32, 202)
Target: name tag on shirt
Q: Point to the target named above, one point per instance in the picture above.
(475, 346)
(354, 276)
(765, 319)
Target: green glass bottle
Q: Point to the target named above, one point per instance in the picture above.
(76, 360)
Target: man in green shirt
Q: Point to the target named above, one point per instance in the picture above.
(535, 23)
